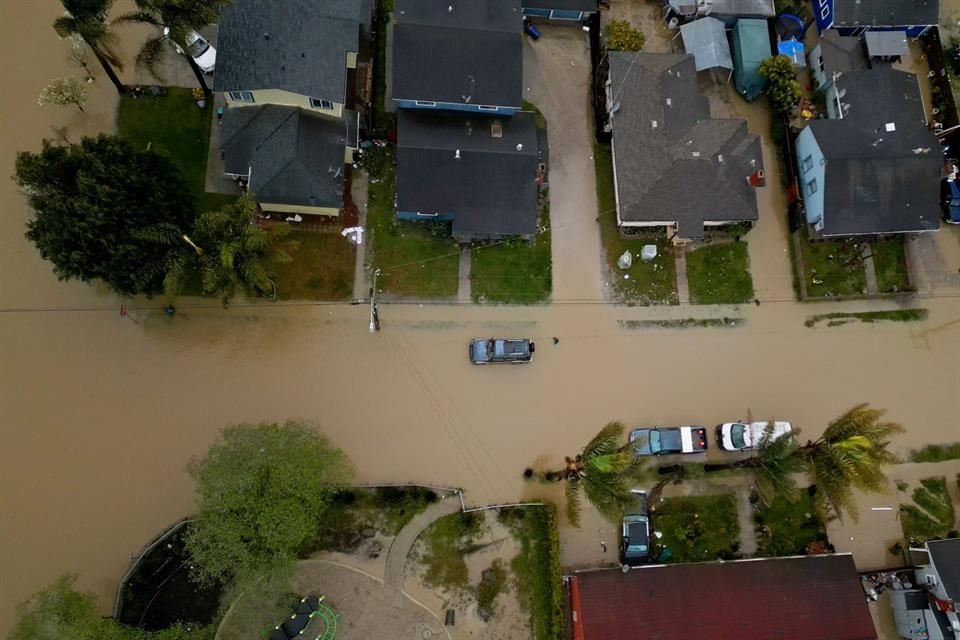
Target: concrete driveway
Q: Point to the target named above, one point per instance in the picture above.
(556, 78)
(174, 71)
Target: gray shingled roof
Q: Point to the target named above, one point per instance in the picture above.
(473, 54)
(491, 188)
(294, 157)
(879, 181)
(745, 8)
(946, 558)
(293, 45)
(561, 5)
(893, 13)
(886, 43)
(842, 53)
(673, 162)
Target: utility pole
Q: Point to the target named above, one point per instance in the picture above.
(374, 317)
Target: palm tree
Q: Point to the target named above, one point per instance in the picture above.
(774, 466)
(606, 470)
(231, 253)
(180, 17)
(850, 455)
(87, 20)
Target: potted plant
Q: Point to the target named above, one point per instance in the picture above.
(200, 97)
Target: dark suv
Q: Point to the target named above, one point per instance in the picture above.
(635, 543)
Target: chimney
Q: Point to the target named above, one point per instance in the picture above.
(757, 179)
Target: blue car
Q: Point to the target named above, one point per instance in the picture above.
(950, 198)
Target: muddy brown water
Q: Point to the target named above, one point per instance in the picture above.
(100, 414)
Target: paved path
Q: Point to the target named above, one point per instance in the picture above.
(361, 280)
(748, 535)
(683, 289)
(464, 292)
(400, 549)
(870, 271)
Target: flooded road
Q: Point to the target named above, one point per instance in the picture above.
(101, 414)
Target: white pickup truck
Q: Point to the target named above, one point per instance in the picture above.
(740, 436)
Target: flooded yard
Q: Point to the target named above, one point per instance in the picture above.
(100, 413)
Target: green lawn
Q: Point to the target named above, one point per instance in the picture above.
(785, 528)
(890, 263)
(832, 268)
(536, 569)
(322, 268)
(515, 271)
(931, 515)
(869, 317)
(936, 453)
(414, 262)
(720, 274)
(653, 282)
(698, 528)
(447, 541)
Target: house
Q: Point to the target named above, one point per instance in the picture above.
(727, 11)
(289, 52)
(854, 17)
(928, 611)
(875, 169)
(798, 598)
(750, 42)
(479, 172)
(576, 10)
(676, 168)
(287, 72)
(292, 159)
(834, 56)
(463, 56)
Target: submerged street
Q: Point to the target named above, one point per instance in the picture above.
(100, 413)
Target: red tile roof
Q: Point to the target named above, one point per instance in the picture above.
(805, 598)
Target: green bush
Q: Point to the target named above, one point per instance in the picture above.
(623, 36)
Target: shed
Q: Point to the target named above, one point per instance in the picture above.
(751, 46)
(884, 44)
(706, 40)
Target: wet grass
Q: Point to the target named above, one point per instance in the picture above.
(322, 268)
(720, 274)
(492, 583)
(832, 268)
(415, 263)
(936, 453)
(682, 323)
(446, 542)
(890, 264)
(931, 515)
(514, 271)
(538, 115)
(257, 607)
(840, 318)
(536, 569)
(645, 283)
(698, 528)
(786, 528)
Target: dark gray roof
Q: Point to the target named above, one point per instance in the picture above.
(491, 188)
(886, 43)
(294, 157)
(673, 161)
(294, 45)
(879, 181)
(893, 13)
(842, 53)
(473, 54)
(946, 558)
(743, 8)
(561, 5)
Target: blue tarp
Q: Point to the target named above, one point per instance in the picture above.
(793, 49)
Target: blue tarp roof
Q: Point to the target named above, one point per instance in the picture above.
(793, 49)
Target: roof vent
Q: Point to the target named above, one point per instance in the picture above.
(669, 102)
(720, 157)
(496, 130)
(890, 126)
(696, 154)
(653, 124)
(450, 8)
(456, 154)
(266, 36)
(920, 150)
(519, 147)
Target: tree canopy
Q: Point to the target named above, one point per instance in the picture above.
(262, 492)
(87, 20)
(782, 86)
(61, 612)
(105, 210)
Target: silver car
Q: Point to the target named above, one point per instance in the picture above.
(501, 350)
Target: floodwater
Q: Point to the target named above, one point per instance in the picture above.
(100, 414)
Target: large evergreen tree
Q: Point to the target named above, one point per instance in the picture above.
(105, 210)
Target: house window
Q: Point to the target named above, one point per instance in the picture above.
(807, 163)
(811, 187)
(241, 96)
(426, 103)
(485, 107)
(317, 103)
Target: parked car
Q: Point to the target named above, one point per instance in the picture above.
(740, 436)
(950, 201)
(202, 52)
(495, 350)
(659, 441)
(635, 543)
